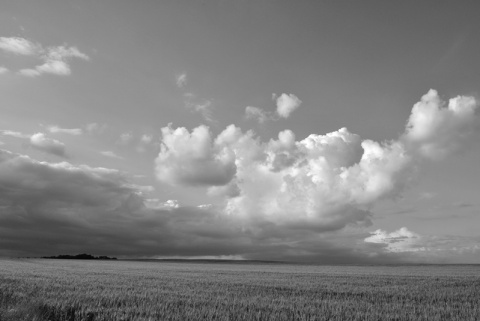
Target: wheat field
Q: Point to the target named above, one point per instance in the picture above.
(38, 289)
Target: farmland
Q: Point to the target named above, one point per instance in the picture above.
(39, 289)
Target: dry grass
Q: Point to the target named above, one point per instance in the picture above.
(104, 290)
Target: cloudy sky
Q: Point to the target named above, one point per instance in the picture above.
(322, 131)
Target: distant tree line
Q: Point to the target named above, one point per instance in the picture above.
(79, 257)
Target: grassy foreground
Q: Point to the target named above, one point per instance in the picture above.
(34, 289)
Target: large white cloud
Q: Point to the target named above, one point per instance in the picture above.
(323, 181)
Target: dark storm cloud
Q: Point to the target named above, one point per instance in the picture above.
(48, 209)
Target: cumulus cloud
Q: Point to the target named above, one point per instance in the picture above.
(47, 145)
(71, 131)
(325, 182)
(193, 158)
(54, 59)
(286, 104)
(436, 128)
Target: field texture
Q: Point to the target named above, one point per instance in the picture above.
(32, 289)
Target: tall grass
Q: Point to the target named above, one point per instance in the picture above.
(80, 290)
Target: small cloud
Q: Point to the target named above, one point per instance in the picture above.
(257, 114)
(3, 70)
(286, 104)
(54, 59)
(205, 108)
(155, 203)
(70, 131)
(95, 128)
(48, 145)
(125, 138)
(427, 195)
(401, 240)
(193, 103)
(181, 80)
(144, 143)
(146, 139)
(19, 46)
(111, 154)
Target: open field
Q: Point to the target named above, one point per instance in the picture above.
(34, 289)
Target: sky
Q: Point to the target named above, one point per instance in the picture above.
(310, 131)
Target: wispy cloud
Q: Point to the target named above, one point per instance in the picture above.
(95, 128)
(181, 80)
(54, 59)
(144, 143)
(192, 102)
(125, 138)
(19, 46)
(257, 114)
(111, 154)
(15, 134)
(70, 131)
(205, 108)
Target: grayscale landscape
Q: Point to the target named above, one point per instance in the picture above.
(239, 160)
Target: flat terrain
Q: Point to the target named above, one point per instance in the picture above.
(40, 289)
